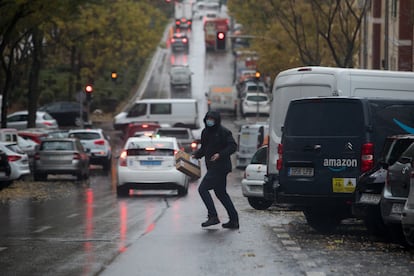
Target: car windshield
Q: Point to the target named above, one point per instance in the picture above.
(179, 134)
(252, 88)
(150, 144)
(256, 98)
(85, 135)
(56, 145)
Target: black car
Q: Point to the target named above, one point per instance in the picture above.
(179, 42)
(5, 170)
(371, 183)
(395, 194)
(66, 113)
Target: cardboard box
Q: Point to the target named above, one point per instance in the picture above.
(187, 165)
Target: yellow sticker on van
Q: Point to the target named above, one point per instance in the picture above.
(343, 185)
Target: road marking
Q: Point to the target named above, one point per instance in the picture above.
(42, 229)
(315, 273)
(288, 242)
(2, 248)
(73, 215)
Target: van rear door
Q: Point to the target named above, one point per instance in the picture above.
(322, 142)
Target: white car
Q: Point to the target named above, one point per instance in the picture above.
(253, 180)
(255, 104)
(149, 163)
(18, 160)
(97, 144)
(18, 120)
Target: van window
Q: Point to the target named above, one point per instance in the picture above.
(393, 118)
(160, 108)
(139, 109)
(324, 118)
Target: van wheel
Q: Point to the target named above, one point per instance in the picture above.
(323, 221)
(122, 191)
(259, 203)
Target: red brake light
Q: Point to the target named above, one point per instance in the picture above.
(47, 123)
(122, 158)
(280, 159)
(193, 145)
(367, 157)
(99, 142)
(185, 40)
(150, 149)
(13, 158)
(177, 22)
(172, 40)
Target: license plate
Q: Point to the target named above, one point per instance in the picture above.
(150, 162)
(54, 158)
(298, 171)
(397, 208)
(370, 198)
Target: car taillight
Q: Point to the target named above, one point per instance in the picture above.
(37, 156)
(184, 40)
(47, 124)
(123, 158)
(193, 145)
(280, 159)
(172, 40)
(367, 157)
(76, 156)
(177, 22)
(99, 142)
(13, 158)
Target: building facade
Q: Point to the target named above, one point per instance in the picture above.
(387, 35)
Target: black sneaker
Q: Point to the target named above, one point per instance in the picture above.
(232, 224)
(210, 221)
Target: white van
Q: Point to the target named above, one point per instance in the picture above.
(327, 81)
(249, 139)
(172, 112)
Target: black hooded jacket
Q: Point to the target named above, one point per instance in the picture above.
(216, 139)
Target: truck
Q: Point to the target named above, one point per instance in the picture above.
(222, 98)
(318, 81)
(212, 28)
(183, 15)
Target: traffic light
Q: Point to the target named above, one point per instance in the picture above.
(114, 76)
(89, 91)
(257, 76)
(221, 41)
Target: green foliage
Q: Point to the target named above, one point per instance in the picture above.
(83, 41)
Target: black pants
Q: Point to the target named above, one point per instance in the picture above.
(216, 181)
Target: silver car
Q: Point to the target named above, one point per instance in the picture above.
(97, 144)
(60, 156)
(18, 160)
(18, 120)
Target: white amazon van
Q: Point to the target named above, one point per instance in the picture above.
(171, 112)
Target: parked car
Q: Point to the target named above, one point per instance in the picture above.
(370, 184)
(140, 128)
(149, 163)
(60, 156)
(407, 218)
(18, 160)
(33, 135)
(5, 170)
(96, 142)
(184, 137)
(252, 86)
(18, 120)
(66, 113)
(179, 42)
(180, 77)
(255, 103)
(395, 193)
(253, 180)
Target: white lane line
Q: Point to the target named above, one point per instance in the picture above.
(73, 215)
(42, 229)
(2, 248)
